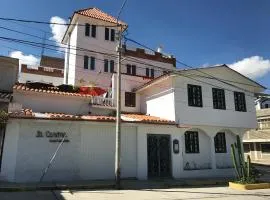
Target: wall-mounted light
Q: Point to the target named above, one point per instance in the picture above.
(175, 146)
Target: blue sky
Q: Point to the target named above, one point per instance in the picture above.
(197, 32)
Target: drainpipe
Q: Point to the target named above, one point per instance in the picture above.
(68, 53)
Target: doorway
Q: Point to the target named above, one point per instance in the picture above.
(159, 156)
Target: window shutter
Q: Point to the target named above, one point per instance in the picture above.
(94, 31)
(85, 62)
(147, 72)
(112, 34)
(112, 66)
(87, 29)
(93, 63)
(107, 33)
(128, 69)
(134, 70)
(152, 73)
(106, 65)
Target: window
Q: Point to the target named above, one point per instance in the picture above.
(89, 62)
(240, 102)
(219, 99)
(147, 72)
(93, 30)
(131, 69)
(246, 147)
(107, 33)
(265, 148)
(192, 142)
(109, 66)
(152, 73)
(130, 99)
(194, 95)
(266, 105)
(220, 143)
(110, 34)
(87, 29)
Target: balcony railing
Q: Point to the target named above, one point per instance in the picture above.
(102, 101)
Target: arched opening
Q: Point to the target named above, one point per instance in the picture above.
(196, 151)
(223, 140)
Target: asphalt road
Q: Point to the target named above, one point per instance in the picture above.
(210, 193)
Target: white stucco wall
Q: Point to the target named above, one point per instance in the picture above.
(24, 77)
(88, 156)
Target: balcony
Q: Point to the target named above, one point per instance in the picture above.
(99, 101)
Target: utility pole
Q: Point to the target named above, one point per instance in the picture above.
(118, 106)
(118, 115)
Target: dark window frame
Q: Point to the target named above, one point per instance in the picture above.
(87, 30)
(130, 99)
(240, 102)
(92, 63)
(107, 34)
(246, 147)
(219, 100)
(147, 72)
(265, 150)
(93, 31)
(112, 66)
(152, 73)
(85, 62)
(106, 65)
(194, 95)
(192, 142)
(220, 142)
(112, 35)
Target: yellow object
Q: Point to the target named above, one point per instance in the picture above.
(255, 186)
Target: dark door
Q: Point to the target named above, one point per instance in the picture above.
(159, 156)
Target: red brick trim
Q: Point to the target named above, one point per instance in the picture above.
(140, 53)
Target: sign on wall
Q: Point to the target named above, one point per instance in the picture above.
(53, 136)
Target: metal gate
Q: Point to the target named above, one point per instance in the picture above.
(159, 155)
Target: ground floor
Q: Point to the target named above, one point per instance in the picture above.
(258, 151)
(170, 194)
(88, 151)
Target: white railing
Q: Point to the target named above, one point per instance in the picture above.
(101, 101)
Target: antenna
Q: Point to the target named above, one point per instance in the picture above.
(43, 44)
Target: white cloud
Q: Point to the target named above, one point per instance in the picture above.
(253, 67)
(24, 59)
(58, 31)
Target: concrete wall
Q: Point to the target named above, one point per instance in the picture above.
(88, 156)
(24, 77)
(9, 68)
(39, 102)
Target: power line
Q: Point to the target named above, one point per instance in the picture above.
(49, 23)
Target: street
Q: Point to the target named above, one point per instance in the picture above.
(168, 194)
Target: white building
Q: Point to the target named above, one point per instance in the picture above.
(50, 71)
(177, 125)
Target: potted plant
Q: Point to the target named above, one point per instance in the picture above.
(246, 176)
(3, 117)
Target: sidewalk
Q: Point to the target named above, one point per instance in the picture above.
(109, 184)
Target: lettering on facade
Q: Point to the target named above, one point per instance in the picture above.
(53, 136)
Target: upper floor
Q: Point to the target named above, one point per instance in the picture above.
(91, 58)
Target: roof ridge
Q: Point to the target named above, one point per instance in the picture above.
(83, 9)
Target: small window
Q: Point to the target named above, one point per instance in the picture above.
(147, 72)
(265, 148)
(92, 63)
(240, 101)
(87, 29)
(106, 65)
(112, 35)
(218, 98)
(93, 31)
(128, 69)
(152, 73)
(220, 143)
(130, 99)
(246, 147)
(112, 66)
(194, 95)
(133, 70)
(85, 62)
(107, 33)
(192, 142)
